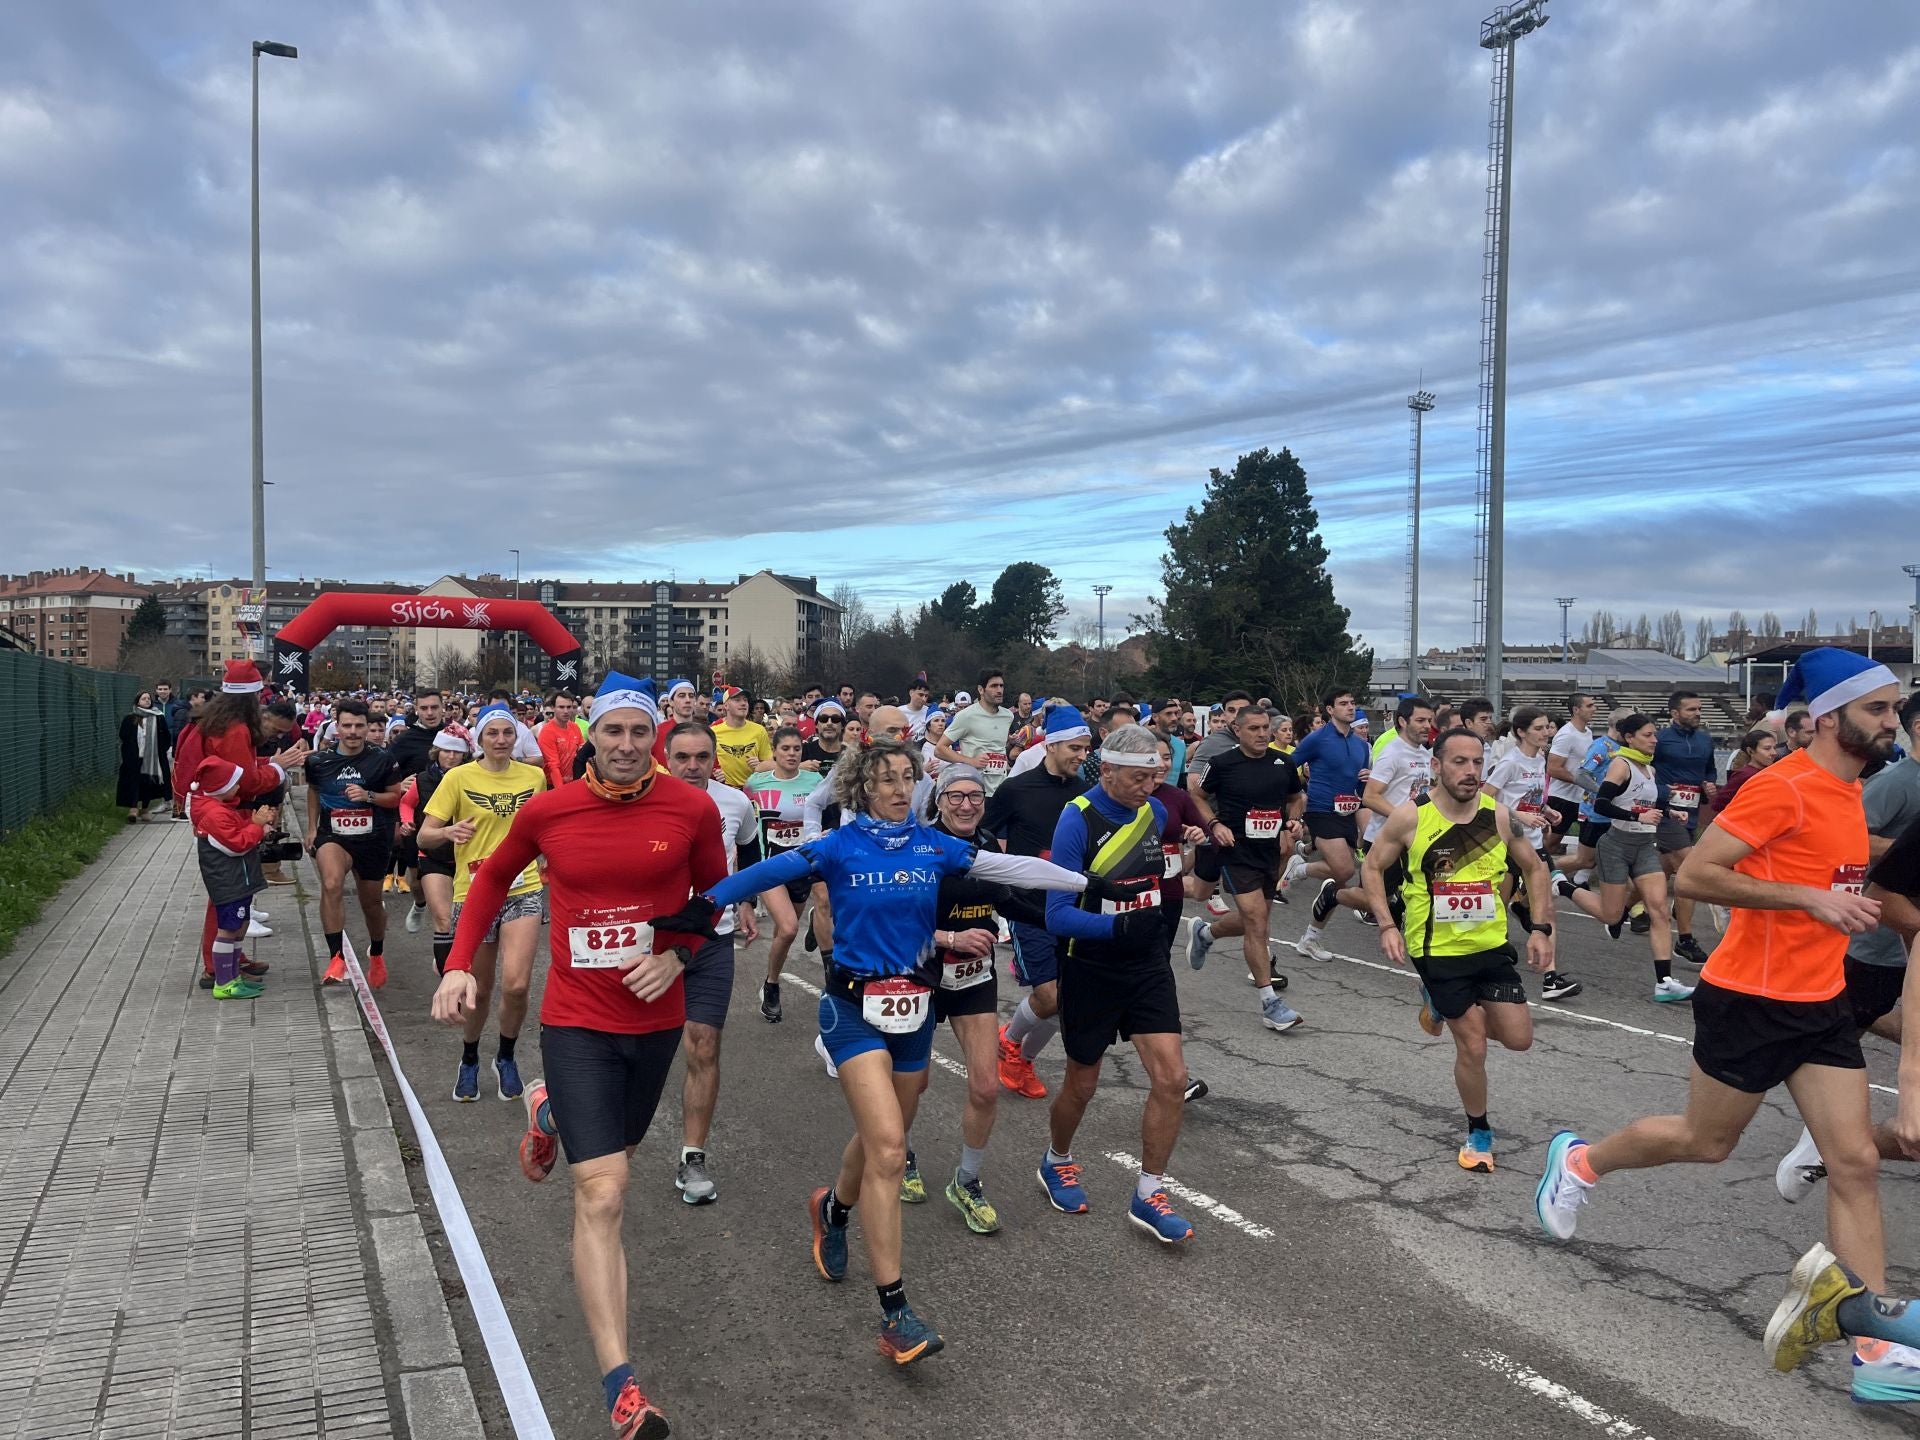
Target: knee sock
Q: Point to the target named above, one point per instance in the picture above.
(971, 1159)
(1880, 1317)
(442, 948)
(1021, 1021)
(334, 939)
(615, 1380)
(208, 930)
(1037, 1036)
(225, 966)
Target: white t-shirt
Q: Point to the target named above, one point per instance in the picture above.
(982, 738)
(737, 815)
(1571, 745)
(1521, 784)
(525, 747)
(1405, 770)
(916, 720)
(1029, 759)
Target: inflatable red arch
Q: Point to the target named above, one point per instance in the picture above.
(294, 645)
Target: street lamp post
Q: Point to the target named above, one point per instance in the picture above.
(284, 52)
(1566, 603)
(1102, 591)
(1913, 621)
(516, 633)
(1419, 403)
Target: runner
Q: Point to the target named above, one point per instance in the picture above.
(709, 975)
(1628, 857)
(1565, 756)
(1789, 856)
(1024, 814)
(1518, 780)
(884, 870)
(742, 742)
(1250, 804)
(977, 736)
(561, 738)
(624, 849)
(435, 877)
(780, 796)
(473, 807)
(1116, 978)
(919, 711)
(1185, 830)
(936, 731)
(822, 752)
(1448, 855)
(1167, 721)
(1683, 770)
(677, 709)
(353, 796)
(411, 747)
(1588, 773)
(1336, 759)
(1219, 740)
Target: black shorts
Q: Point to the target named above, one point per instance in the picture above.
(604, 1087)
(436, 861)
(1564, 813)
(798, 891)
(1493, 979)
(1101, 1003)
(406, 852)
(1873, 990)
(1206, 864)
(982, 998)
(1244, 874)
(1592, 832)
(370, 857)
(1325, 825)
(1752, 1043)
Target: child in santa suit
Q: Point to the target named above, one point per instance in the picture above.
(228, 842)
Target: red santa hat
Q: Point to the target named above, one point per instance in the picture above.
(214, 776)
(242, 678)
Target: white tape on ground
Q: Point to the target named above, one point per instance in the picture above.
(1554, 1393)
(524, 1409)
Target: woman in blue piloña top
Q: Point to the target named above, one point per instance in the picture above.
(883, 874)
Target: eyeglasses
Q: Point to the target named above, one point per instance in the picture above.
(964, 797)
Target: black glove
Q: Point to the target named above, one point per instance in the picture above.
(693, 918)
(1120, 891)
(1139, 927)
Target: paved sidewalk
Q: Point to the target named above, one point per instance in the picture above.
(191, 1236)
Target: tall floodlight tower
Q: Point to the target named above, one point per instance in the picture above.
(1419, 403)
(1498, 32)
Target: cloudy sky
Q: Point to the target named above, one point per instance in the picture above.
(896, 293)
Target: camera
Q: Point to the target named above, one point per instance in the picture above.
(278, 849)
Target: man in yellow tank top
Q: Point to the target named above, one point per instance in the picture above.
(1447, 857)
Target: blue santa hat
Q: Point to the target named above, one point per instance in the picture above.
(623, 692)
(1828, 678)
(674, 687)
(1064, 723)
(494, 711)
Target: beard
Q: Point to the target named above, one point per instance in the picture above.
(1863, 744)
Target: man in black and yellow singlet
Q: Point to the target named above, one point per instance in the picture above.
(1455, 846)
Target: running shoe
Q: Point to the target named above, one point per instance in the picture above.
(1885, 1373)
(1062, 1184)
(1688, 949)
(1326, 901)
(905, 1337)
(1016, 1071)
(466, 1085)
(1670, 991)
(1556, 986)
(829, 1241)
(1639, 921)
(1199, 942)
(336, 972)
(1365, 917)
(634, 1416)
(1218, 904)
(1276, 1014)
(415, 913)
(506, 1075)
(1563, 887)
(696, 1187)
(1560, 1194)
(811, 943)
(1477, 1154)
(239, 989)
(972, 1203)
(1614, 930)
(913, 1190)
(1156, 1216)
(1310, 946)
(1296, 867)
(538, 1148)
(770, 1004)
(1430, 1020)
(1799, 1170)
(377, 971)
(1196, 1090)
(820, 1049)
(389, 883)
(255, 930)
(1808, 1316)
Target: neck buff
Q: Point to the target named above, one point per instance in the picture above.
(1639, 756)
(620, 794)
(887, 834)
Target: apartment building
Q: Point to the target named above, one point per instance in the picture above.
(74, 615)
(217, 622)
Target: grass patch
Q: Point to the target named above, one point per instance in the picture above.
(49, 850)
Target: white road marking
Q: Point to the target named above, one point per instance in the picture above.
(1554, 1393)
(1224, 1213)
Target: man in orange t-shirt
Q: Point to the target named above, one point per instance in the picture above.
(1788, 856)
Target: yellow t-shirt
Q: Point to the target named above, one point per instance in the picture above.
(741, 745)
(490, 799)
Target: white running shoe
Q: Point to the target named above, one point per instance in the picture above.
(257, 931)
(820, 1049)
(1671, 990)
(1309, 945)
(1199, 942)
(1217, 904)
(414, 914)
(1296, 867)
(1799, 1170)
(1560, 1194)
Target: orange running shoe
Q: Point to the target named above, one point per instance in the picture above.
(1016, 1071)
(538, 1149)
(635, 1418)
(377, 971)
(336, 972)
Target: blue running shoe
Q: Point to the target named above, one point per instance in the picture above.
(905, 1337)
(1199, 942)
(1477, 1154)
(829, 1241)
(1276, 1014)
(467, 1087)
(506, 1075)
(1155, 1215)
(1062, 1184)
(1885, 1373)
(1560, 1194)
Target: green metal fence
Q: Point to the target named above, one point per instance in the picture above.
(59, 732)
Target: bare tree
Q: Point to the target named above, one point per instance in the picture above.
(1671, 634)
(1811, 626)
(1769, 628)
(1643, 632)
(1702, 638)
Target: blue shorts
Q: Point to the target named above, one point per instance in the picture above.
(709, 982)
(234, 914)
(846, 1035)
(1034, 960)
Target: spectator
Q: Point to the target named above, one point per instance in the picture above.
(144, 741)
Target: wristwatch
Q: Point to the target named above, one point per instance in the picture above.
(1540, 929)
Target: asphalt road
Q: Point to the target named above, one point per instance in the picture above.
(1345, 1277)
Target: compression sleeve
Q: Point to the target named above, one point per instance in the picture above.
(1029, 872)
(755, 879)
(813, 815)
(488, 890)
(1611, 790)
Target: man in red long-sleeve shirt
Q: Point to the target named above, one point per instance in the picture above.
(626, 847)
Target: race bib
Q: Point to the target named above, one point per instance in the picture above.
(962, 972)
(784, 834)
(1145, 900)
(1170, 870)
(1850, 878)
(895, 1006)
(1683, 797)
(992, 762)
(1465, 902)
(1265, 824)
(1345, 804)
(609, 947)
(351, 822)
(1530, 806)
